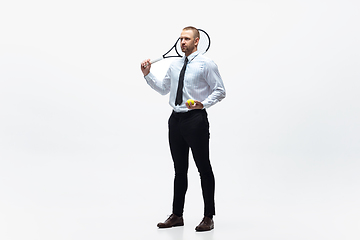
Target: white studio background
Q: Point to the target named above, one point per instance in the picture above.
(83, 139)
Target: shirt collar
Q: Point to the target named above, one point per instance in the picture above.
(191, 56)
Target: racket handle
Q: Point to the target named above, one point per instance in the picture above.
(154, 61)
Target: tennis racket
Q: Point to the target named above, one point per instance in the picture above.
(175, 51)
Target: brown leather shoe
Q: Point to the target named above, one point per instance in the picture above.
(206, 224)
(172, 221)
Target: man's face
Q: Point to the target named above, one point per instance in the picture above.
(187, 42)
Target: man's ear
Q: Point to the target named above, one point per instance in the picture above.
(197, 41)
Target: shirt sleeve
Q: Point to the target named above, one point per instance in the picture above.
(213, 78)
(162, 87)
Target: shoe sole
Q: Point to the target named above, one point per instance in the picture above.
(204, 230)
(176, 225)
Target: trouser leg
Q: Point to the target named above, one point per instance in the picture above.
(197, 137)
(180, 154)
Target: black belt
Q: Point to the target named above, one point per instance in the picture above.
(188, 113)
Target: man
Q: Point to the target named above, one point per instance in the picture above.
(191, 77)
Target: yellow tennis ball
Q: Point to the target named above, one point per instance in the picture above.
(190, 102)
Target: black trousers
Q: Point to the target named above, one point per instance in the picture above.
(187, 131)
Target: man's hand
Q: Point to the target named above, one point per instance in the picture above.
(196, 105)
(145, 67)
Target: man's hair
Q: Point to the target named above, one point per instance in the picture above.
(195, 31)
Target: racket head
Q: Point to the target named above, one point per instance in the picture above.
(204, 42)
(203, 46)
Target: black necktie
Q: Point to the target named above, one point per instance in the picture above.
(179, 93)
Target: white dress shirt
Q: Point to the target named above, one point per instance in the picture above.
(202, 82)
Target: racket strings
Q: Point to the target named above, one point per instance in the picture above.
(204, 42)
